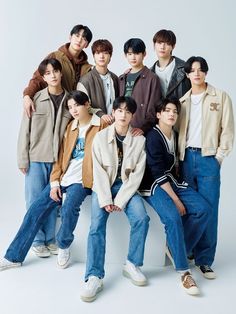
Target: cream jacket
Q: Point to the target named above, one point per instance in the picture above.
(217, 123)
(105, 166)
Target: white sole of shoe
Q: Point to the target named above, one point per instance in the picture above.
(191, 291)
(91, 299)
(46, 254)
(209, 276)
(135, 282)
(10, 266)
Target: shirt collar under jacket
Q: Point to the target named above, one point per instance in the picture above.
(112, 135)
(210, 91)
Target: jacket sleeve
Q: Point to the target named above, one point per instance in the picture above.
(36, 83)
(156, 158)
(101, 183)
(155, 94)
(23, 143)
(57, 167)
(227, 128)
(132, 183)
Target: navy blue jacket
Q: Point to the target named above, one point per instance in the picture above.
(160, 164)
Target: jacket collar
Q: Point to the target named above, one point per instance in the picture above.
(95, 121)
(210, 90)
(142, 74)
(112, 135)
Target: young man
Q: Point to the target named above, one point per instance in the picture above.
(118, 160)
(169, 69)
(206, 133)
(173, 199)
(38, 146)
(101, 85)
(71, 174)
(74, 64)
(140, 83)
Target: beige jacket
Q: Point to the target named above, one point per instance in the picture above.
(105, 166)
(39, 139)
(217, 123)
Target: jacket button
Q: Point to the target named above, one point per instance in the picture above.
(141, 105)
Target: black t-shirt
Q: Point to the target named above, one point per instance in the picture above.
(130, 81)
(56, 100)
(119, 142)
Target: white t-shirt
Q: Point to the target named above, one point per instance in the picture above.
(109, 91)
(194, 137)
(74, 172)
(165, 76)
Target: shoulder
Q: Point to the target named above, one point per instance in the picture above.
(179, 62)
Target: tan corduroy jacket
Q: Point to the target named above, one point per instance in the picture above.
(68, 144)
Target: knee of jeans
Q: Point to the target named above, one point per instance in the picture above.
(173, 221)
(140, 220)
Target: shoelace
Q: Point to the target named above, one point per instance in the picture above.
(207, 268)
(91, 282)
(190, 281)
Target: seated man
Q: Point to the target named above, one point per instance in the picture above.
(119, 162)
(71, 174)
(173, 200)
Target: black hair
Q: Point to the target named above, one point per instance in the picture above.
(135, 44)
(166, 36)
(191, 60)
(54, 63)
(79, 97)
(129, 101)
(164, 102)
(87, 34)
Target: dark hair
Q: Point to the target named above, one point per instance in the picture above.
(164, 102)
(191, 60)
(87, 34)
(129, 101)
(102, 45)
(79, 97)
(166, 36)
(54, 63)
(136, 44)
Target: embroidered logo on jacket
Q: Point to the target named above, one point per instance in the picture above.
(214, 106)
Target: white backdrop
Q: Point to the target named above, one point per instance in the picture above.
(30, 29)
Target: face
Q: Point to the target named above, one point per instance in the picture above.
(102, 58)
(78, 42)
(78, 112)
(52, 77)
(168, 116)
(135, 59)
(196, 76)
(163, 50)
(122, 116)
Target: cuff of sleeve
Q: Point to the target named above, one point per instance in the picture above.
(54, 184)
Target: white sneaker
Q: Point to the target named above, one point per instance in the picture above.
(91, 289)
(41, 251)
(5, 264)
(53, 248)
(134, 273)
(63, 258)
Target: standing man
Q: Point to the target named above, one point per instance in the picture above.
(206, 133)
(101, 85)
(169, 69)
(118, 167)
(74, 64)
(141, 84)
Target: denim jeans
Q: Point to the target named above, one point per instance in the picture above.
(139, 222)
(203, 175)
(36, 179)
(38, 213)
(183, 233)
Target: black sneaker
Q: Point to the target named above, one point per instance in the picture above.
(206, 271)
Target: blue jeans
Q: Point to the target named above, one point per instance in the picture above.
(203, 175)
(36, 179)
(38, 213)
(183, 233)
(139, 222)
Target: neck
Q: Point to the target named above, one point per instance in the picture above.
(137, 68)
(85, 120)
(55, 90)
(166, 129)
(74, 53)
(199, 89)
(101, 70)
(163, 62)
(120, 130)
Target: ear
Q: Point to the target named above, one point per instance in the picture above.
(113, 113)
(86, 46)
(158, 115)
(144, 54)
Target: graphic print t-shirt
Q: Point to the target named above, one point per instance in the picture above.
(74, 171)
(130, 81)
